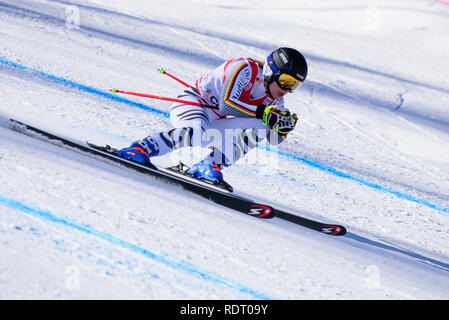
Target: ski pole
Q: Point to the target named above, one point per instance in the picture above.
(162, 71)
(114, 90)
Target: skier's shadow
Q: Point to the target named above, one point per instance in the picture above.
(395, 249)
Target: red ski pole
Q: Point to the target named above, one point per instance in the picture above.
(162, 71)
(114, 90)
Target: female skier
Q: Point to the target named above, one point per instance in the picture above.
(245, 105)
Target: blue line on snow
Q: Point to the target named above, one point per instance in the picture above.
(85, 88)
(178, 265)
(311, 163)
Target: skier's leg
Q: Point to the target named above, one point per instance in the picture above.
(189, 124)
(231, 139)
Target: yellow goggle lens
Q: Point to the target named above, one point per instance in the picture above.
(287, 82)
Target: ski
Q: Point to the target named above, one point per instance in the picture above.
(219, 193)
(178, 170)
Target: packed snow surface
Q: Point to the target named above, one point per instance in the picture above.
(370, 152)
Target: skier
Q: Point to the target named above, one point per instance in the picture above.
(245, 98)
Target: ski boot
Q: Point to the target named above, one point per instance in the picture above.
(140, 151)
(207, 170)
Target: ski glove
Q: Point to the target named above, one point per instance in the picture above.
(280, 120)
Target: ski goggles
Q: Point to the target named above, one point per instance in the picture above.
(283, 80)
(287, 82)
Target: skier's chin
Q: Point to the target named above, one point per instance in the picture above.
(275, 95)
(280, 95)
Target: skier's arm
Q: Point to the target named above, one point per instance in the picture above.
(235, 90)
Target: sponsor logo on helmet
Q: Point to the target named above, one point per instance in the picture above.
(283, 57)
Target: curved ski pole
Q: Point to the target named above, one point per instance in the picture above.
(114, 90)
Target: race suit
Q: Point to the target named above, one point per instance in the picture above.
(229, 127)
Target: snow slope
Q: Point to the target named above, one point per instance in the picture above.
(371, 152)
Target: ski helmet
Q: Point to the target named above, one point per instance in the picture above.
(287, 67)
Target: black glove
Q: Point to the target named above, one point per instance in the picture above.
(280, 120)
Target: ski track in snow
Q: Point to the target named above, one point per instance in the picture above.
(56, 217)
